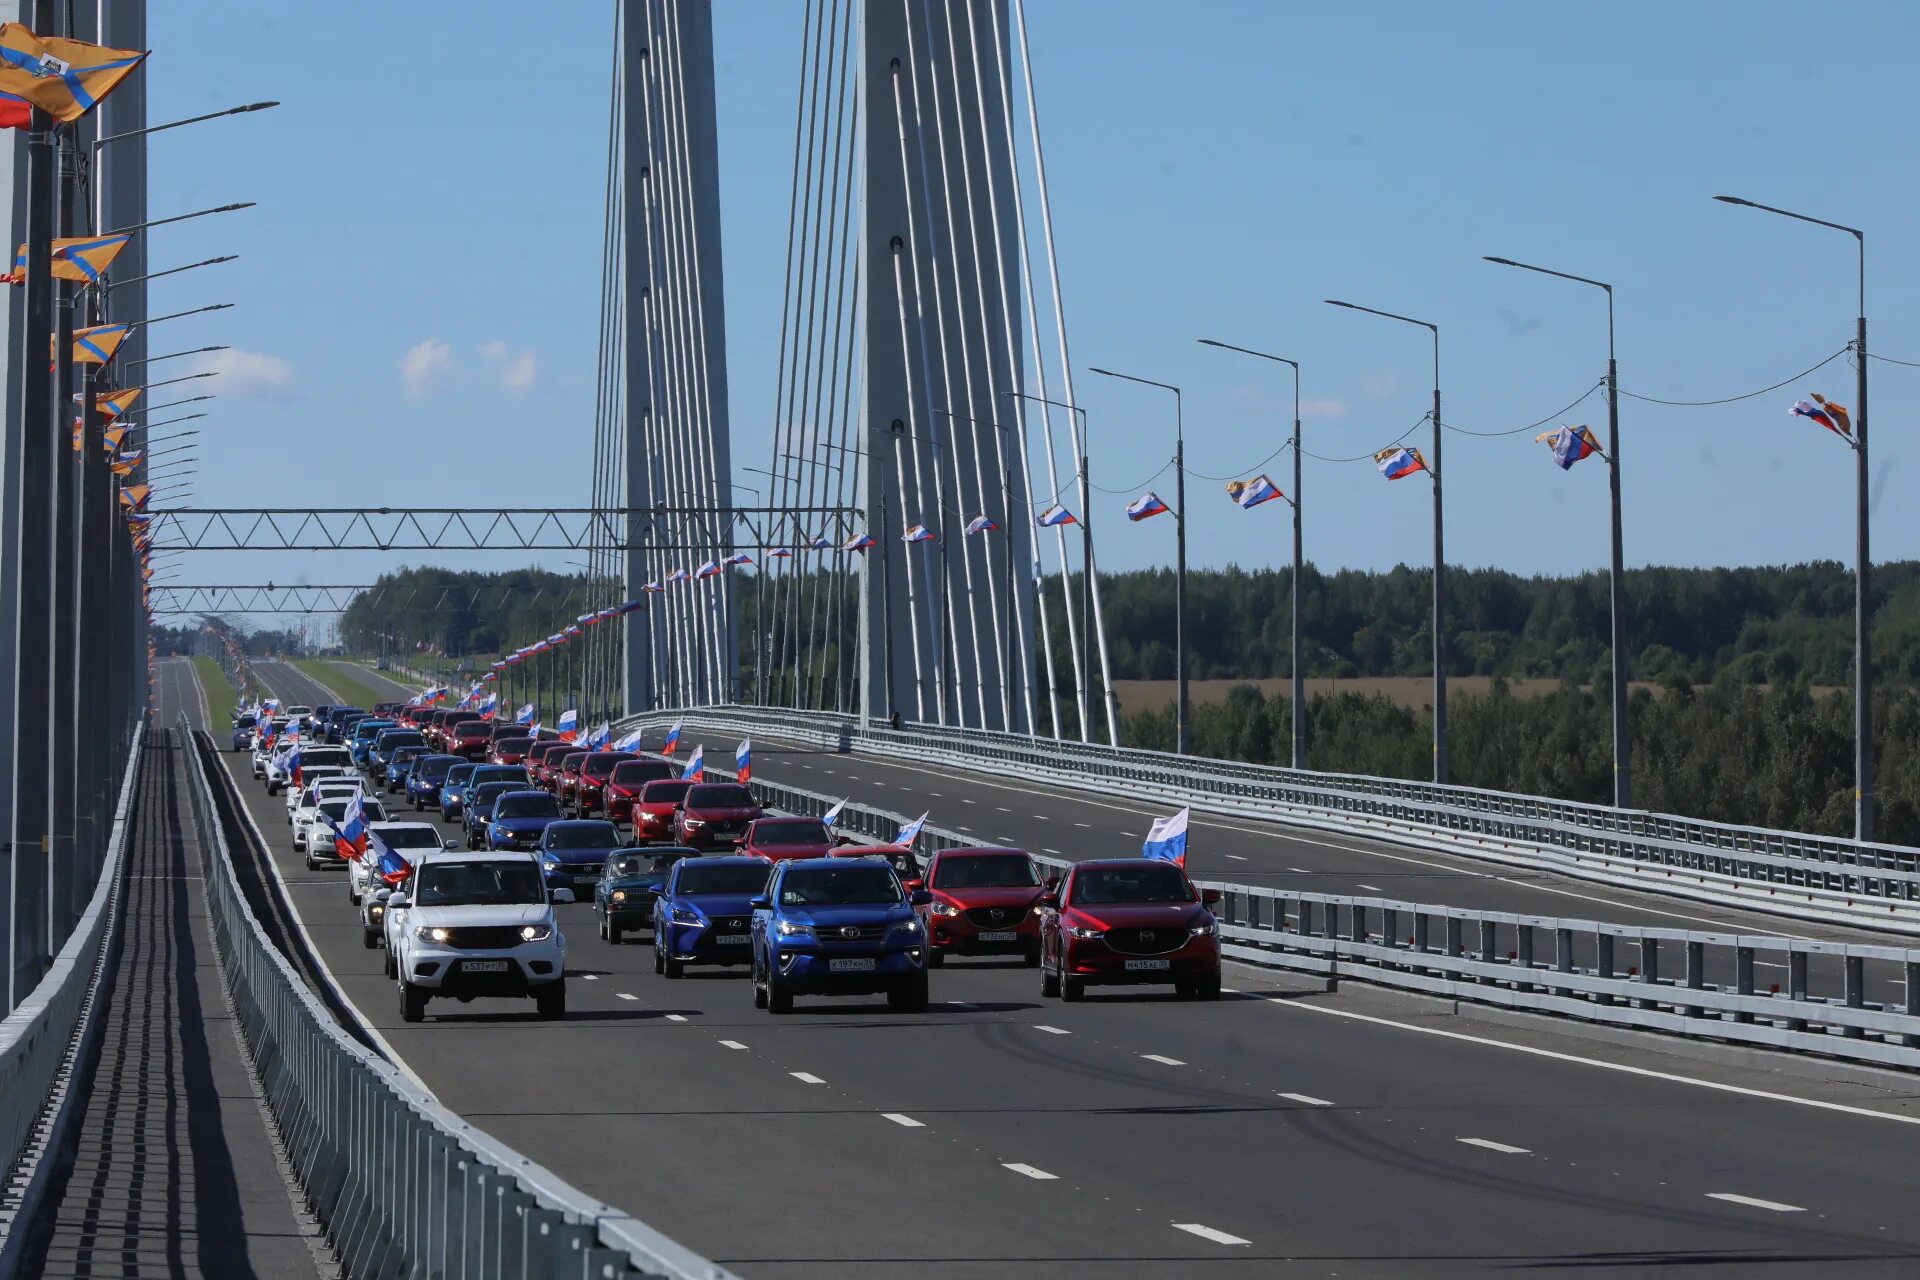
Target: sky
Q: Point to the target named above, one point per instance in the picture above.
(417, 292)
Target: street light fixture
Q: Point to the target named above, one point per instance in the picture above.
(1183, 709)
(1299, 679)
(1863, 795)
(1439, 549)
(170, 271)
(173, 355)
(181, 217)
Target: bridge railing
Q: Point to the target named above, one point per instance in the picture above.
(1810, 877)
(404, 1186)
(43, 1040)
(1859, 1003)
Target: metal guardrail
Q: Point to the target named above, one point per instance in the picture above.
(1546, 964)
(403, 1186)
(43, 1040)
(1810, 877)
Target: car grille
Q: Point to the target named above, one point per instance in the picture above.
(995, 917)
(1147, 942)
(484, 938)
(861, 932)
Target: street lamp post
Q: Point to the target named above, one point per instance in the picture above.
(1863, 798)
(1616, 580)
(1439, 550)
(1299, 683)
(1183, 709)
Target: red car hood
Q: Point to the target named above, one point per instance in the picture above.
(966, 899)
(781, 852)
(734, 814)
(1137, 915)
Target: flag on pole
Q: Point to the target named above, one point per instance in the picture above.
(569, 725)
(1398, 463)
(780, 553)
(1146, 506)
(832, 815)
(599, 738)
(1167, 840)
(858, 542)
(1054, 516)
(524, 715)
(673, 739)
(1569, 444)
(114, 403)
(95, 344)
(77, 258)
(1248, 494)
(1828, 414)
(64, 78)
(350, 837)
(743, 759)
(738, 557)
(824, 543)
(696, 770)
(678, 575)
(708, 569)
(917, 533)
(911, 832)
(488, 705)
(631, 742)
(982, 524)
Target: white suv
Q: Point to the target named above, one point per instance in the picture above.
(477, 924)
(313, 755)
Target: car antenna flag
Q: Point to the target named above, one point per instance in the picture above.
(1167, 840)
(832, 815)
(911, 832)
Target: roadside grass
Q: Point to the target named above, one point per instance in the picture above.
(221, 695)
(340, 679)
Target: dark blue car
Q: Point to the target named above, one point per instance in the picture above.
(363, 735)
(424, 779)
(477, 809)
(385, 744)
(400, 765)
(574, 852)
(453, 790)
(838, 927)
(243, 731)
(520, 818)
(704, 912)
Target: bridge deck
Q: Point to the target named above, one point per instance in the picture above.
(174, 1172)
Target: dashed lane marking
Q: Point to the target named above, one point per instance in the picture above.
(1052, 1031)
(1751, 1202)
(1163, 1060)
(1306, 1099)
(905, 1122)
(676, 1017)
(1208, 1233)
(806, 1077)
(1491, 1145)
(1372, 888)
(1027, 1170)
(626, 996)
(733, 1044)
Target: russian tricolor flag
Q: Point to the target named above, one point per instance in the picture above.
(1167, 840)
(910, 832)
(1399, 463)
(982, 524)
(350, 837)
(917, 533)
(569, 725)
(858, 542)
(696, 770)
(599, 738)
(1248, 494)
(1145, 506)
(673, 739)
(1054, 516)
(743, 759)
(390, 866)
(524, 715)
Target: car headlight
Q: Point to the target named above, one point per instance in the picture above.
(536, 933)
(1207, 930)
(430, 933)
(551, 864)
(377, 910)
(687, 915)
(909, 929)
(1081, 931)
(693, 822)
(944, 909)
(619, 895)
(794, 929)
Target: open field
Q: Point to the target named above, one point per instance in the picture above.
(221, 695)
(1406, 691)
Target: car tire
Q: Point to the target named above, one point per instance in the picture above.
(551, 1000)
(1207, 988)
(413, 1002)
(613, 932)
(1049, 985)
(369, 939)
(759, 989)
(779, 999)
(936, 960)
(671, 967)
(659, 957)
(1073, 990)
(909, 999)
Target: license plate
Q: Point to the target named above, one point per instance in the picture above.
(850, 966)
(1149, 964)
(483, 966)
(742, 939)
(586, 879)
(998, 937)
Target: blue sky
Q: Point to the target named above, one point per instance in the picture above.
(418, 287)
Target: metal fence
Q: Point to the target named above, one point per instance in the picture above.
(43, 1040)
(403, 1186)
(1860, 1003)
(1839, 881)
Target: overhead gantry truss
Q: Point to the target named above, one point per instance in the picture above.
(177, 598)
(661, 528)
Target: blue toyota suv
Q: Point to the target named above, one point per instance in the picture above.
(838, 927)
(702, 912)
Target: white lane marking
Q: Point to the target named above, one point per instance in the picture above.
(879, 784)
(1491, 1145)
(1055, 852)
(963, 1004)
(625, 996)
(936, 795)
(1208, 1233)
(1373, 888)
(905, 1122)
(1302, 870)
(1002, 808)
(1052, 1031)
(1086, 825)
(1163, 1060)
(806, 1077)
(733, 1044)
(1774, 1205)
(591, 977)
(1237, 857)
(675, 1017)
(1041, 817)
(1306, 1099)
(964, 800)
(1039, 1175)
(1644, 1072)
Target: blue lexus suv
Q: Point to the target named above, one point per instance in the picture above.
(701, 913)
(838, 927)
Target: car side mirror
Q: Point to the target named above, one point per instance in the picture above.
(1053, 882)
(563, 895)
(841, 839)
(918, 889)
(451, 844)
(1050, 900)
(398, 902)
(1209, 897)
(383, 895)
(762, 903)
(919, 897)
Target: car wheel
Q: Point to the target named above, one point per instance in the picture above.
(936, 960)
(388, 967)
(910, 999)
(671, 967)
(1207, 988)
(1049, 985)
(659, 956)
(779, 999)
(613, 932)
(1073, 989)
(369, 939)
(759, 988)
(413, 1002)
(551, 1000)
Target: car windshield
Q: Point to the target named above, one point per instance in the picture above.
(790, 831)
(459, 773)
(446, 884)
(641, 864)
(472, 729)
(727, 877)
(516, 745)
(433, 768)
(487, 793)
(634, 771)
(598, 767)
(837, 886)
(583, 835)
(244, 720)
(669, 792)
(1147, 882)
(411, 838)
(405, 754)
(500, 773)
(526, 804)
(984, 871)
(720, 795)
(571, 763)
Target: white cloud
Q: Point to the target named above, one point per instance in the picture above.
(1382, 384)
(517, 371)
(1323, 408)
(248, 374)
(425, 367)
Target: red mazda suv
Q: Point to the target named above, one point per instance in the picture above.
(1129, 920)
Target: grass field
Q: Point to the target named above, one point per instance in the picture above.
(221, 695)
(1406, 691)
(341, 679)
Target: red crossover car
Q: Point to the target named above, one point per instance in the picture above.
(656, 810)
(986, 902)
(567, 777)
(589, 792)
(509, 729)
(437, 724)
(1129, 920)
(624, 783)
(468, 738)
(777, 839)
(899, 856)
(509, 750)
(716, 813)
(543, 759)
